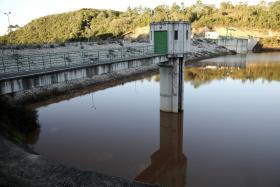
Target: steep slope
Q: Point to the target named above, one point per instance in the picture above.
(68, 26)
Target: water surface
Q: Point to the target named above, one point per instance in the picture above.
(228, 134)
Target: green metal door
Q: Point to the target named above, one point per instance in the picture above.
(160, 39)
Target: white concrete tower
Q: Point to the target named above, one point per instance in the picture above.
(173, 39)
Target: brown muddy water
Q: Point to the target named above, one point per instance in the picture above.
(228, 134)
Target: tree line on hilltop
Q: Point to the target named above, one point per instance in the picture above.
(103, 24)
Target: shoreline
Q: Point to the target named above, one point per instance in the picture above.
(260, 49)
(268, 49)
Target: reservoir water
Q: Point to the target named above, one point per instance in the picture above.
(228, 134)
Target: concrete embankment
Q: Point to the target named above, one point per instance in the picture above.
(23, 169)
(42, 93)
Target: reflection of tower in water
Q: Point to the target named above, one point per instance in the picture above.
(168, 164)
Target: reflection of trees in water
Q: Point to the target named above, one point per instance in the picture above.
(168, 164)
(199, 75)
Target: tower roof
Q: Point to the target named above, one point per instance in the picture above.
(170, 22)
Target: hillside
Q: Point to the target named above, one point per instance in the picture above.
(77, 25)
(68, 26)
(259, 20)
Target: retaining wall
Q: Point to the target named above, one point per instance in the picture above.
(27, 82)
(238, 45)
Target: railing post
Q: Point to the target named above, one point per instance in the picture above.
(3, 63)
(17, 65)
(122, 53)
(98, 59)
(64, 59)
(28, 59)
(50, 60)
(83, 59)
(43, 62)
(68, 58)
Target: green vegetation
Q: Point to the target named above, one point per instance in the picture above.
(18, 123)
(77, 25)
(103, 24)
(241, 16)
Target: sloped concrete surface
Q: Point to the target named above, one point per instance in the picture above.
(24, 169)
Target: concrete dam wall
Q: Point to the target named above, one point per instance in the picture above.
(238, 45)
(28, 82)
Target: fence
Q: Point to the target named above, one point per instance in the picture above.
(24, 63)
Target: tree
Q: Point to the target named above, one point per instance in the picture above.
(175, 13)
(161, 13)
(226, 5)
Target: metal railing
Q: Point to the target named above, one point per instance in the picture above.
(24, 63)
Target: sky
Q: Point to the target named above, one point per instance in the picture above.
(23, 11)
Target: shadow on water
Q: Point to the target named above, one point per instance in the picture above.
(168, 164)
(89, 89)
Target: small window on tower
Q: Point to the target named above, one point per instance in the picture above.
(175, 35)
(151, 35)
(187, 34)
